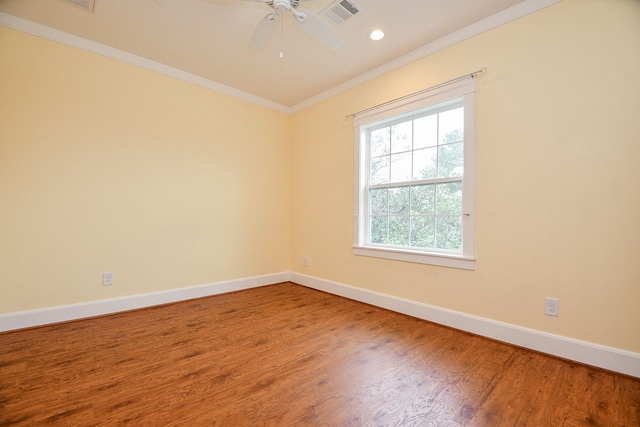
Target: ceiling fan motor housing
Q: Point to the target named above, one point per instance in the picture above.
(282, 6)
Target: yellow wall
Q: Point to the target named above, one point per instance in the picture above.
(108, 167)
(557, 181)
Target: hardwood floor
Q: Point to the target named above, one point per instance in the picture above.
(286, 355)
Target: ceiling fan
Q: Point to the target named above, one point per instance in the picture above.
(308, 22)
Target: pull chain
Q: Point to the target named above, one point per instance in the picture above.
(281, 37)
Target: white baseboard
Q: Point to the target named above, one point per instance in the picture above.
(45, 316)
(613, 359)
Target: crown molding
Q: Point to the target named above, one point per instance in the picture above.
(52, 34)
(508, 15)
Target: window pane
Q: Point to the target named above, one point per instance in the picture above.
(425, 131)
(449, 198)
(378, 231)
(378, 201)
(449, 232)
(399, 201)
(380, 142)
(451, 126)
(401, 167)
(399, 230)
(424, 163)
(379, 170)
(451, 160)
(401, 137)
(411, 181)
(422, 231)
(423, 199)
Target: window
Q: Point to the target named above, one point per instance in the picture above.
(414, 180)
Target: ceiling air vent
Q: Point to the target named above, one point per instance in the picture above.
(85, 4)
(341, 11)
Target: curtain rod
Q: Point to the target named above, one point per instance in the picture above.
(466, 76)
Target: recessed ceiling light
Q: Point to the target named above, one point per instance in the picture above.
(376, 35)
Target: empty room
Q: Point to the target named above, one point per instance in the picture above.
(320, 212)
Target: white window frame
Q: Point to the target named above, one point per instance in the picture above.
(462, 90)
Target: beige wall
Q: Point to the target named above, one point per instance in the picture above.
(558, 176)
(108, 167)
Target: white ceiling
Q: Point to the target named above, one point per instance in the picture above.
(208, 38)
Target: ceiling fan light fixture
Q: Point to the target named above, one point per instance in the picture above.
(376, 34)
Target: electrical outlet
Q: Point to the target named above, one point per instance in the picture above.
(552, 307)
(305, 261)
(107, 279)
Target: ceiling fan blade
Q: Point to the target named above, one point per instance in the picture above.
(319, 30)
(263, 32)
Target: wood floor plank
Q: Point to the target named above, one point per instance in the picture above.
(286, 355)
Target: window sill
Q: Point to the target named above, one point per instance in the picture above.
(443, 260)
